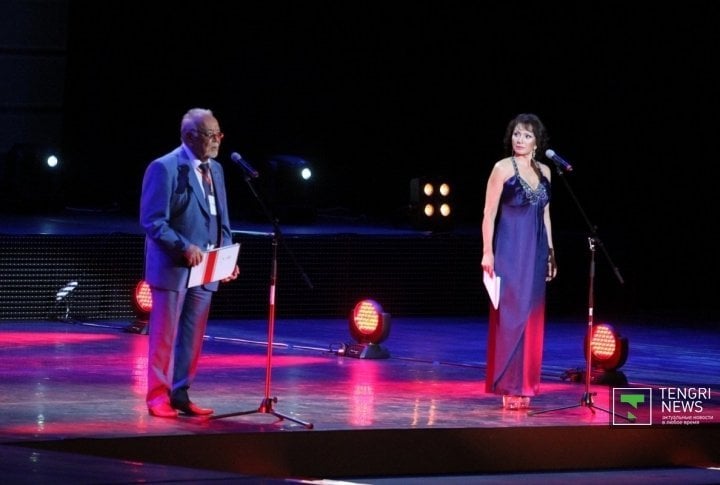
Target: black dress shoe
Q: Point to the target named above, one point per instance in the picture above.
(191, 409)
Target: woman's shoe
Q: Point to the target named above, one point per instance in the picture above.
(511, 402)
(516, 402)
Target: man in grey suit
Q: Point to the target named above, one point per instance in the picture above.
(183, 209)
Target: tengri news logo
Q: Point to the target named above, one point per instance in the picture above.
(632, 406)
(686, 405)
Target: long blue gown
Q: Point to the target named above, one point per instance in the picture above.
(515, 334)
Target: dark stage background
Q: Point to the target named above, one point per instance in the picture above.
(376, 93)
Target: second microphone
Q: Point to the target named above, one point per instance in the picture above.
(247, 168)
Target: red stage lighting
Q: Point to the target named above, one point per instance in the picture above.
(143, 298)
(369, 326)
(609, 351)
(142, 301)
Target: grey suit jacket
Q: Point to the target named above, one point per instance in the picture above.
(175, 214)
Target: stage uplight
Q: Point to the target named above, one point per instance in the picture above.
(369, 326)
(142, 302)
(609, 351)
(431, 204)
(63, 298)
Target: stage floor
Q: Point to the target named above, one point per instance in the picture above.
(73, 410)
(72, 403)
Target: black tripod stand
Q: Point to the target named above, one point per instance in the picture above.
(587, 397)
(593, 241)
(266, 406)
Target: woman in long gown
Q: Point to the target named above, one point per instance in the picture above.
(518, 247)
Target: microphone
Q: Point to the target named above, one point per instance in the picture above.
(558, 160)
(249, 171)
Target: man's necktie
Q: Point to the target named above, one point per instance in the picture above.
(206, 179)
(210, 198)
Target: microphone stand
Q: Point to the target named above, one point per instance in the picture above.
(266, 405)
(593, 242)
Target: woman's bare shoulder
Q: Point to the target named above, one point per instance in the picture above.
(504, 166)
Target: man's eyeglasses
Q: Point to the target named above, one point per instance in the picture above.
(210, 135)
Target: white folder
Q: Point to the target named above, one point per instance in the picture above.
(492, 284)
(216, 265)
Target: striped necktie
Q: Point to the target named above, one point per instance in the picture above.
(210, 194)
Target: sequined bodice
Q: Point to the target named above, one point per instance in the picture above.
(535, 196)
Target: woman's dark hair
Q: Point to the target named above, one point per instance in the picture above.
(528, 120)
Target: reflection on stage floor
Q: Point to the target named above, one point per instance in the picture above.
(65, 382)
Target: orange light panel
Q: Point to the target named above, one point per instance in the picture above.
(366, 317)
(368, 323)
(603, 342)
(143, 297)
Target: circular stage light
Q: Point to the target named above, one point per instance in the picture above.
(369, 326)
